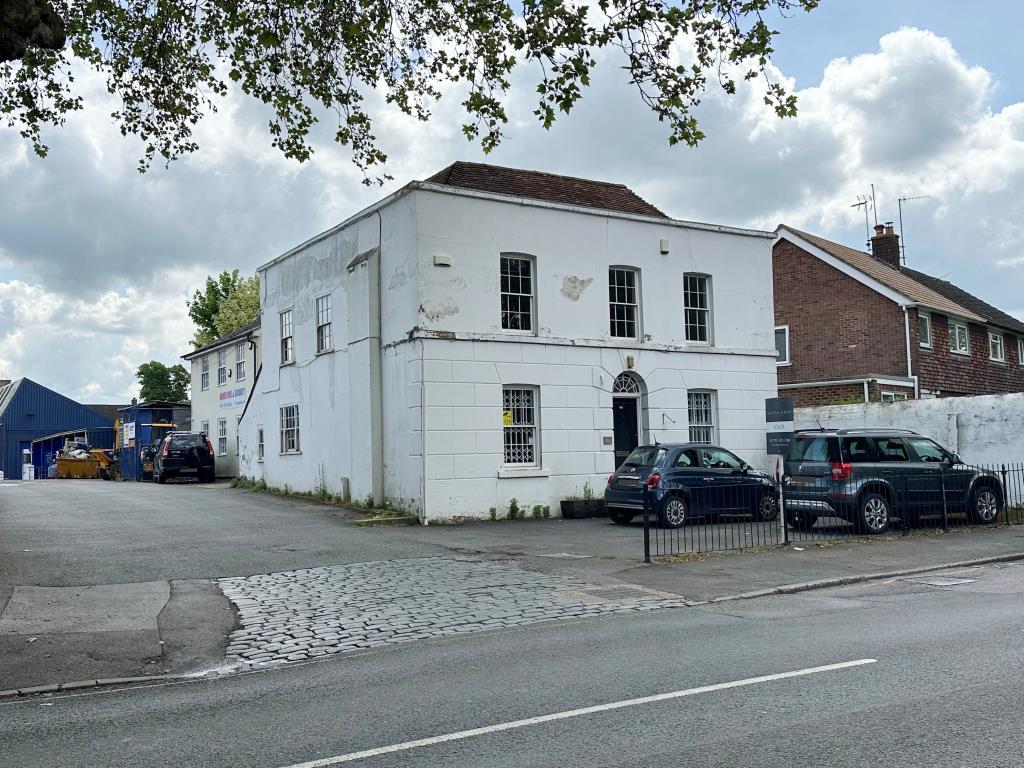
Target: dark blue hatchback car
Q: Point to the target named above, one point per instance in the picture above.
(688, 480)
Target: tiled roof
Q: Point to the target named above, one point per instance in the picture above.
(550, 187)
(242, 332)
(963, 298)
(899, 280)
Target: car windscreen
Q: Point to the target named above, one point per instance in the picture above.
(812, 448)
(180, 442)
(645, 456)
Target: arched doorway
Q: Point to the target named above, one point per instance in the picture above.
(627, 414)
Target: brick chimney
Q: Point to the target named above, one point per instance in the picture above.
(885, 245)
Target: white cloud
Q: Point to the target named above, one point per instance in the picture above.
(97, 259)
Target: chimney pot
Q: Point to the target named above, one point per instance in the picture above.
(885, 245)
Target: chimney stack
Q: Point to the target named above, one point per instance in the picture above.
(885, 245)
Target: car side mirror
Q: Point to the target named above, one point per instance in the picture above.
(957, 459)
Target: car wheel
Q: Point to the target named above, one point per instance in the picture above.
(673, 512)
(985, 506)
(802, 521)
(767, 507)
(620, 516)
(874, 514)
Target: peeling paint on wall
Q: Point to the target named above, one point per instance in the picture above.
(446, 308)
(573, 287)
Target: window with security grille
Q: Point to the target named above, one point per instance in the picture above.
(290, 429)
(259, 443)
(222, 367)
(623, 306)
(519, 420)
(701, 407)
(204, 376)
(324, 342)
(516, 293)
(287, 351)
(222, 437)
(697, 308)
(240, 361)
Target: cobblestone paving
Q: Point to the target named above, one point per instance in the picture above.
(298, 615)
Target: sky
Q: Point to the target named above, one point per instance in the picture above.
(918, 98)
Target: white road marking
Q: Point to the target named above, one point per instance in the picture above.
(571, 713)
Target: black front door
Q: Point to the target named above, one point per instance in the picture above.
(625, 424)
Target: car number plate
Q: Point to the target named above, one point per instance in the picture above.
(627, 482)
(801, 481)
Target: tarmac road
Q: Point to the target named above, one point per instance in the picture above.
(930, 675)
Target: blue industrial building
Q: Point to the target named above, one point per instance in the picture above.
(144, 425)
(29, 411)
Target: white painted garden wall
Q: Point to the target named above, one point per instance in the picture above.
(987, 429)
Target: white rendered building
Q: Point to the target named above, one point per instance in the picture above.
(491, 334)
(222, 378)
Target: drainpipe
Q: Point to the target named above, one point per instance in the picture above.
(910, 366)
(376, 372)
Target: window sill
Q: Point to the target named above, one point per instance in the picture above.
(925, 346)
(290, 362)
(783, 365)
(511, 471)
(325, 352)
(997, 360)
(291, 453)
(958, 352)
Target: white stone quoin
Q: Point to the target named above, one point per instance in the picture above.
(398, 390)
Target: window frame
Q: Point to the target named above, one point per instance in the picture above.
(788, 360)
(324, 323)
(222, 437)
(240, 361)
(222, 367)
(635, 304)
(204, 373)
(238, 436)
(712, 411)
(287, 346)
(283, 429)
(259, 443)
(204, 427)
(924, 317)
(893, 397)
(706, 310)
(1001, 338)
(1020, 350)
(955, 324)
(532, 295)
(533, 426)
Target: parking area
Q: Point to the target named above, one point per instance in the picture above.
(73, 532)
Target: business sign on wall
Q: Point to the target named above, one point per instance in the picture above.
(232, 398)
(778, 413)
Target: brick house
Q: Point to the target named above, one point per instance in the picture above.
(853, 326)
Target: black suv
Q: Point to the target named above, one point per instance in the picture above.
(688, 480)
(870, 476)
(184, 453)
